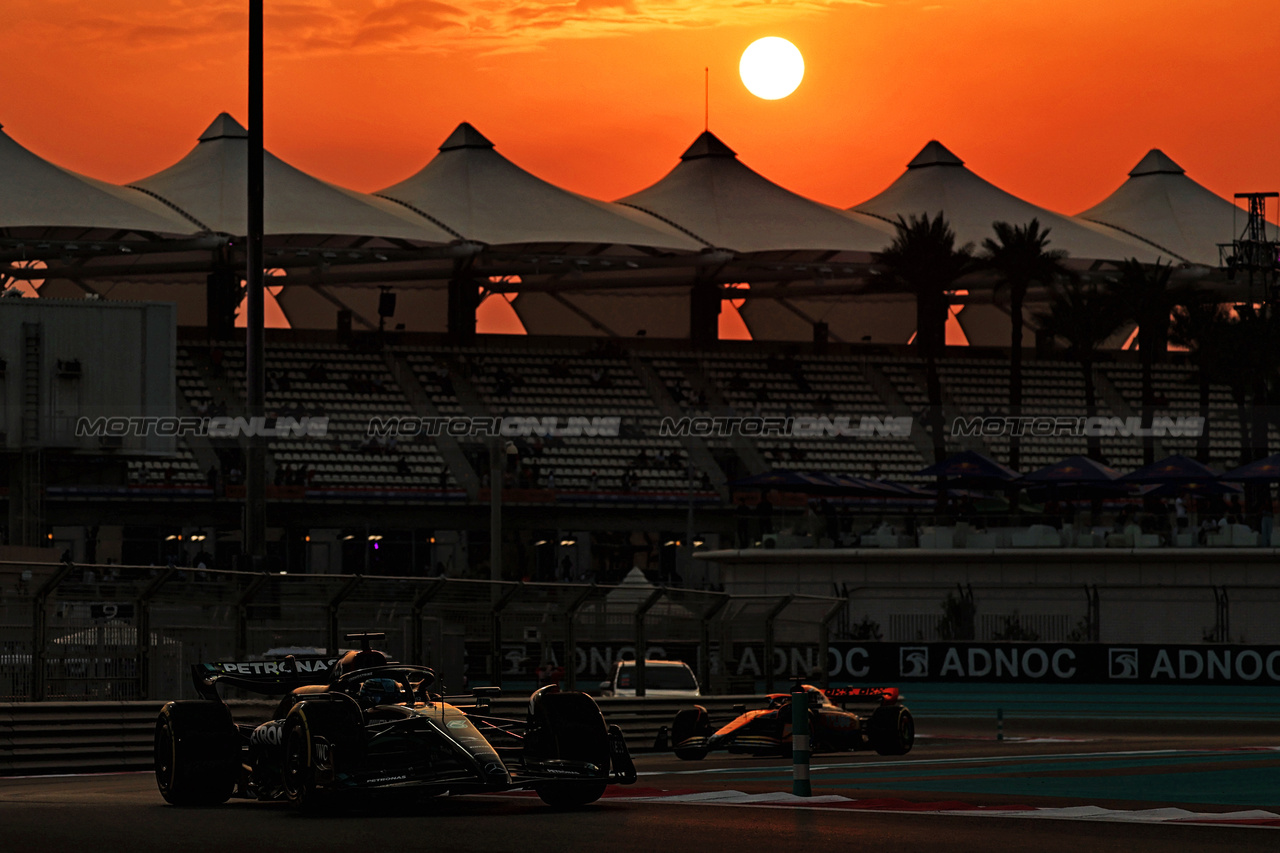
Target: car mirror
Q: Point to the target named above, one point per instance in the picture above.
(486, 692)
(739, 709)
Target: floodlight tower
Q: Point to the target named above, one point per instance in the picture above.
(1253, 252)
(1259, 258)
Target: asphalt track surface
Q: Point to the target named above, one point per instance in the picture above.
(956, 791)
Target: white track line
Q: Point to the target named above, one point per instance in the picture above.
(908, 763)
(1174, 816)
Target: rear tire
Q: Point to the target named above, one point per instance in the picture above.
(892, 730)
(690, 723)
(197, 753)
(569, 727)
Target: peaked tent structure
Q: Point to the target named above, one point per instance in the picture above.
(1160, 205)
(208, 184)
(936, 180)
(301, 212)
(480, 195)
(713, 195)
(41, 199)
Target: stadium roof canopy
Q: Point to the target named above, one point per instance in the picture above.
(1161, 205)
(46, 200)
(713, 195)
(209, 185)
(477, 194)
(937, 180)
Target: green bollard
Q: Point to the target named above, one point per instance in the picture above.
(800, 742)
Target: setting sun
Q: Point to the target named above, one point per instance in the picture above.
(771, 68)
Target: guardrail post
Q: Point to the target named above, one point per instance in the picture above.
(336, 602)
(416, 652)
(1222, 615)
(571, 637)
(142, 625)
(704, 640)
(800, 741)
(642, 642)
(39, 628)
(495, 638)
(824, 639)
(242, 614)
(769, 619)
(1094, 614)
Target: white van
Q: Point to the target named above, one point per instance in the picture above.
(663, 679)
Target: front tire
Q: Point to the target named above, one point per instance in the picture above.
(298, 776)
(197, 753)
(689, 733)
(569, 727)
(338, 723)
(892, 730)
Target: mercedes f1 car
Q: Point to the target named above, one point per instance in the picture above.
(362, 723)
(880, 721)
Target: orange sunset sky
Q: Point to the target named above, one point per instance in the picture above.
(1053, 101)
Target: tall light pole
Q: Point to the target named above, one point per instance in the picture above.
(255, 509)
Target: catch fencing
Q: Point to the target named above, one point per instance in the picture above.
(123, 633)
(95, 633)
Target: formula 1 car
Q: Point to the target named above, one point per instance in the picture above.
(362, 723)
(880, 722)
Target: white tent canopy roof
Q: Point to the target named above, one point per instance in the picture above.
(37, 193)
(209, 184)
(1160, 204)
(715, 196)
(481, 195)
(937, 180)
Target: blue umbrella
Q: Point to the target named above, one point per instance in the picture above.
(1075, 478)
(1173, 490)
(1172, 469)
(972, 469)
(1264, 470)
(1074, 469)
(810, 483)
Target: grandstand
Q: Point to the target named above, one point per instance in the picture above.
(621, 303)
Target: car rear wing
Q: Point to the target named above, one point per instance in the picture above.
(863, 695)
(267, 677)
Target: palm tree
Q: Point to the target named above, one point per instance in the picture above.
(1085, 314)
(1144, 297)
(923, 259)
(1251, 343)
(1204, 327)
(1020, 257)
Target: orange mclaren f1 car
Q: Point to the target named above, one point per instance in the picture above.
(879, 721)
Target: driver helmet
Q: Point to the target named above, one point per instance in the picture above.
(378, 691)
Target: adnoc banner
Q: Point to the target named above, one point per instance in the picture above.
(898, 663)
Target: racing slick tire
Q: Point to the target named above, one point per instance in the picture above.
(569, 726)
(197, 753)
(690, 723)
(337, 722)
(892, 730)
